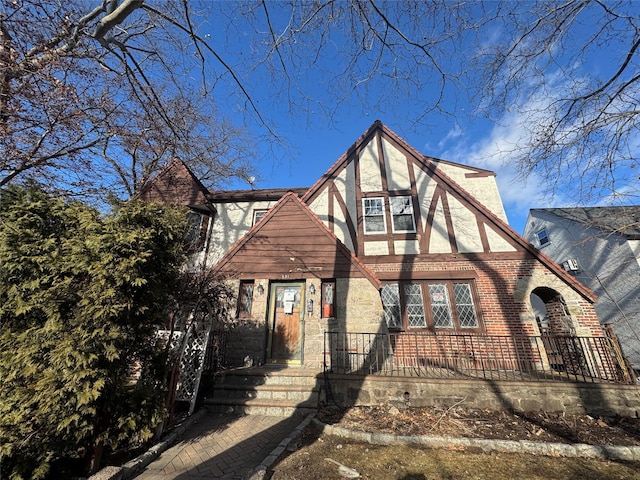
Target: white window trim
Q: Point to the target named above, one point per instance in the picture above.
(413, 217)
(258, 211)
(364, 216)
(540, 244)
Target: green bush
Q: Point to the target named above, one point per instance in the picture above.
(81, 295)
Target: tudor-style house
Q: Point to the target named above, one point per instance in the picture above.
(388, 241)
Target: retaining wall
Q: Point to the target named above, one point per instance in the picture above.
(592, 398)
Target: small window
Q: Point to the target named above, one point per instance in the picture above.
(374, 220)
(258, 214)
(194, 223)
(543, 238)
(402, 214)
(195, 232)
(245, 299)
(328, 291)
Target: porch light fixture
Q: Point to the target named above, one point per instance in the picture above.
(260, 290)
(312, 289)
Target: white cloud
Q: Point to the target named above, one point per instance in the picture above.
(452, 134)
(497, 151)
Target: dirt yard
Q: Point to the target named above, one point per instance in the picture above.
(328, 458)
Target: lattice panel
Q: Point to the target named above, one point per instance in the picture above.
(162, 337)
(191, 366)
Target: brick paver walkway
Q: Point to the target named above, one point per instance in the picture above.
(221, 446)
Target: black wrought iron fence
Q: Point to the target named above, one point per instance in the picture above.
(456, 355)
(215, 357)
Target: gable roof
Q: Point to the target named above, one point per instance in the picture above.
(431, 164)
(175, 184)
(291, 240)
(624, 220)
(253, 195)
(363, 140)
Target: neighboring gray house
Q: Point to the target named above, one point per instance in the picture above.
(600, 247)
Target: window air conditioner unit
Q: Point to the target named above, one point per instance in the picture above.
(571, 265)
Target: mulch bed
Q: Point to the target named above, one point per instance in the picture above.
(458, 421)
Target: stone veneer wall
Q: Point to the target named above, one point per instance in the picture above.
(358, 308)
(246, 339)
(590, 398)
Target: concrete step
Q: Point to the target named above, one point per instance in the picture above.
(267, 376)
(265, 390)
(276, 392)
(284, 408)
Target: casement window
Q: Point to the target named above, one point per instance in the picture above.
(196, 231)
(245, 298)
(430, 304)
(373, 214)
(258, 214)
(543, 238)
(402, 214)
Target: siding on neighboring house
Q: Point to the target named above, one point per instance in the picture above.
(603, 242)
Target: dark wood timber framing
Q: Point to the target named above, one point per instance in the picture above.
(446, 187)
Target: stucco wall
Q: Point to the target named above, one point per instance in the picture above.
(482, 188)
(230, 223)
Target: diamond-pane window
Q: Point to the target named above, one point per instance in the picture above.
(464, 305)
(258, 214)
(245, 298)
(415, 305)
(440, 306)
(391, 304)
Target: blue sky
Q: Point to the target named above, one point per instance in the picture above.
(317, 149)
(319, 130)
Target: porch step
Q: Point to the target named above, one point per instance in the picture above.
(266, 390)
